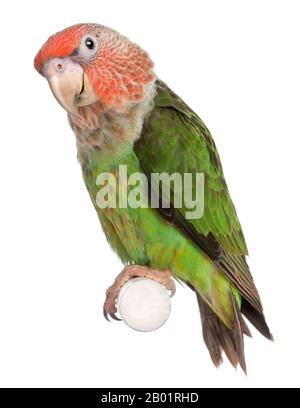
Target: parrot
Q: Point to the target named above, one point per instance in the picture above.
(122, 114)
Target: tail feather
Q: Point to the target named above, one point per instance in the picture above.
(257, 319)
(219, 338)
(210, 332)
(238, 334)
(245, 328)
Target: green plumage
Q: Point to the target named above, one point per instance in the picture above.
(208, 253)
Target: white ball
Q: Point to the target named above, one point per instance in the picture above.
(144, 304)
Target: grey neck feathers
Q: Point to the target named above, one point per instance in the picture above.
(109, 130)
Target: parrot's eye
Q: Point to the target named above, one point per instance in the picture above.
(89, 47)
(90, 44)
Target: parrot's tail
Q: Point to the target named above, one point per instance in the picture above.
(219, 338)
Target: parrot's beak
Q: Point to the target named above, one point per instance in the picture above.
(69, 84)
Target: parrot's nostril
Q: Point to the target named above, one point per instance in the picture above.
(59, 67)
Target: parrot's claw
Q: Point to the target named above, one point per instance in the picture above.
(112, 315)
(110, 307)
(133, 271)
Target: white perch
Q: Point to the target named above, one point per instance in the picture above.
(144, 304)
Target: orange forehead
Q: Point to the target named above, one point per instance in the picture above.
(60, 45)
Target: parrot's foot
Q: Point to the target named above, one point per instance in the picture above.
(134, 271)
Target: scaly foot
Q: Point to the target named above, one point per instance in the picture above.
(133, 271)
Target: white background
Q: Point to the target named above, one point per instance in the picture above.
(236, 63)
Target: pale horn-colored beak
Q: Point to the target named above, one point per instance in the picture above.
(69, 84)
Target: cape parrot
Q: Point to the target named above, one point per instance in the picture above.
(122, 114)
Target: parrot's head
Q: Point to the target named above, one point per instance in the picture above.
(89, 63)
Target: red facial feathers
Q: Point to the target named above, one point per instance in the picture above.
(119, 72)
(60, 45)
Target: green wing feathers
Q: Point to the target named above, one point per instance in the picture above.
(209, 253)
(175, 140)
